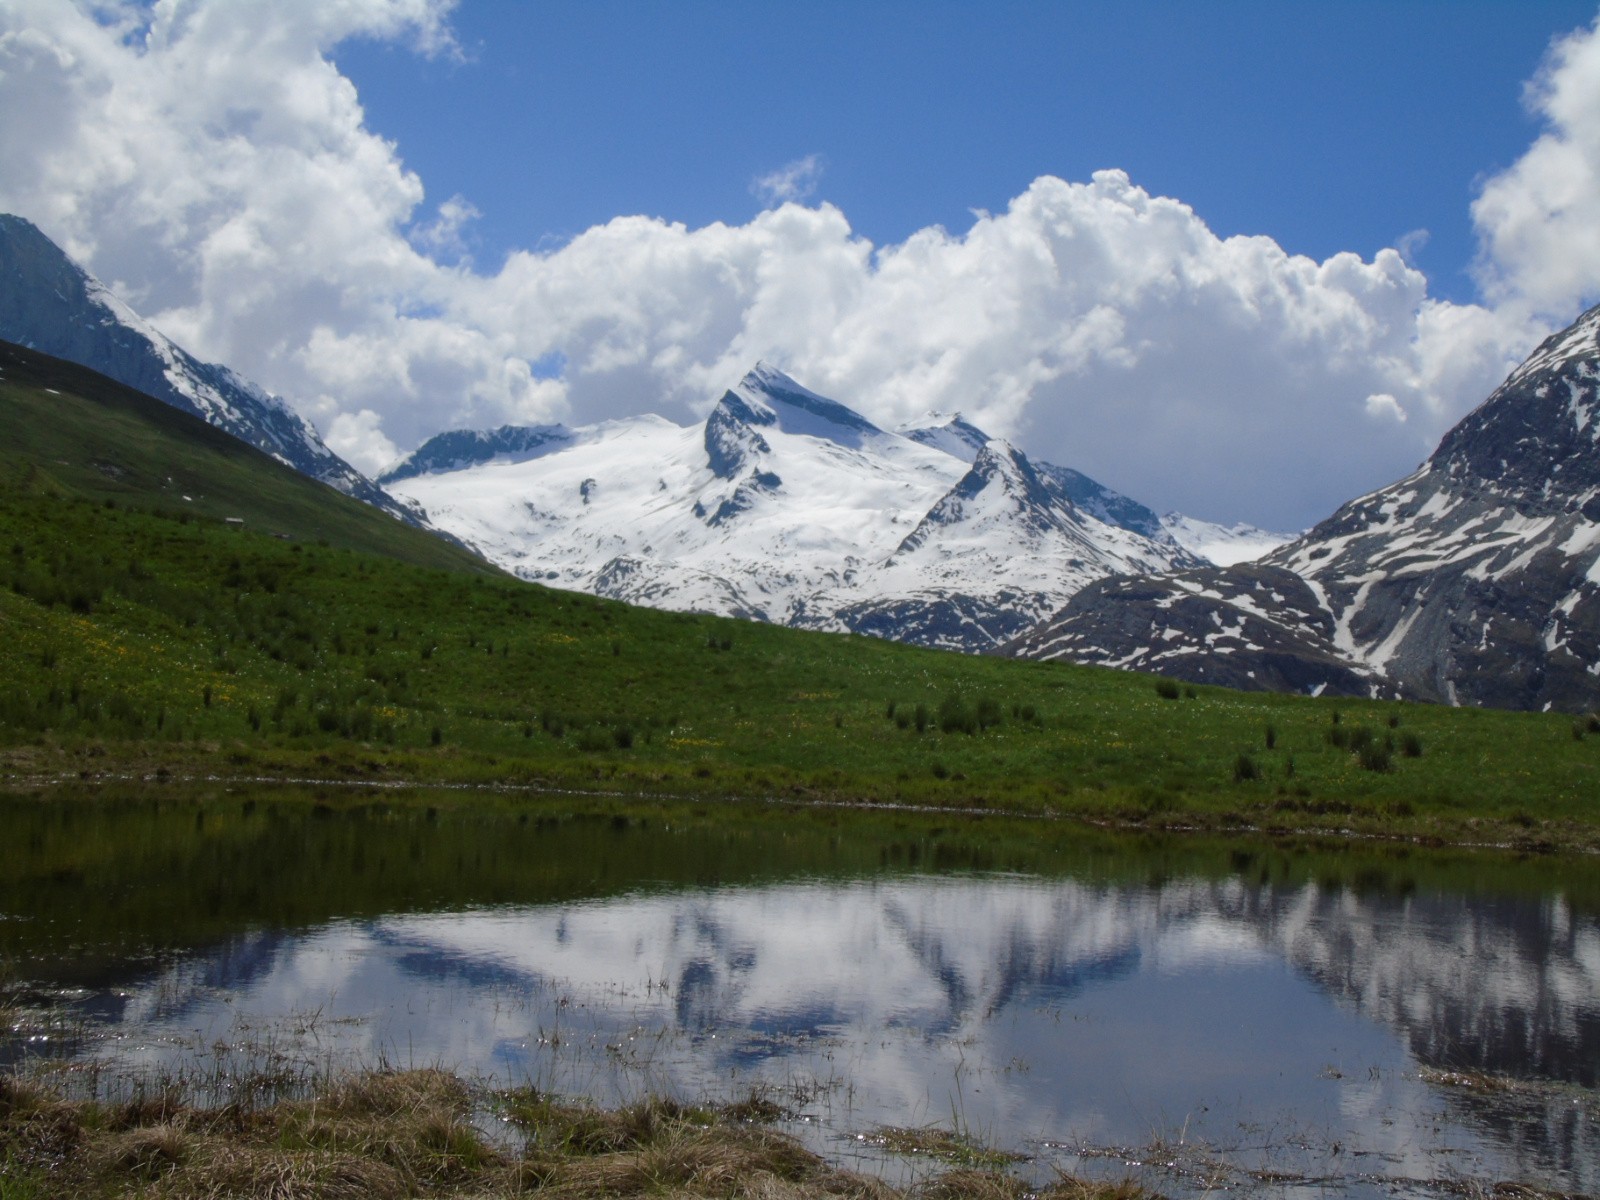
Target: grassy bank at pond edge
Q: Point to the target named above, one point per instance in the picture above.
(388, 1135)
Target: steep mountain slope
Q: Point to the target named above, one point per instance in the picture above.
(1475, 580)
(788, 507)
(49, 303)
(71, 432)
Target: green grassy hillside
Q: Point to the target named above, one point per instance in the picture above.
(140, 633)
(73, 432)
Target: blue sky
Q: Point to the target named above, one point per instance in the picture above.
(1239, 259)
(1327, 127)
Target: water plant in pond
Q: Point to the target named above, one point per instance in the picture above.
(948, 1145)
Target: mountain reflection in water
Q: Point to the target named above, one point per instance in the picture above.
(1240, 1015)
(1095, 999)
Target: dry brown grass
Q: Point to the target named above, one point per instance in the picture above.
(398, 1135)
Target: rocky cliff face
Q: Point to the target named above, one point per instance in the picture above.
(1475, 580)
(49, 303)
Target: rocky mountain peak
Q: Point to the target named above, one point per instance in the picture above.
(1536, 440)
(766, 396)
(1580, 340)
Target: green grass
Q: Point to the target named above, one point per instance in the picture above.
(141, 633)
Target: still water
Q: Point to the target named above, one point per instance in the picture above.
(1290, 1019)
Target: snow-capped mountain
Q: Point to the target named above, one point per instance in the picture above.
(1476, 580)
(788, 507)
(1222, 545)
(50, 304)
(1219, 545)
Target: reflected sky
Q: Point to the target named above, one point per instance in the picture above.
(1265, 1027)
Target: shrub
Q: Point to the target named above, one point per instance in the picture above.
(1167, 689)
(921, 718)
(1375, 757)
(436, 736)
(594, 739)
(988, 712)
(623, 736)
(1411, 746)
(1272, 737)
(955, 716)
(1244, 768)
(940, 771)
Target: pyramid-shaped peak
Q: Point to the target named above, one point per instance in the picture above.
(767, 396)
(765, 375)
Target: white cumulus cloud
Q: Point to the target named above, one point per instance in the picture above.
(1540, 219)
(358, 439)
(209, 161)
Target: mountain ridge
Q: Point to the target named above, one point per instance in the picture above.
(50, 304)
(787, 506)
(1474, 580)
